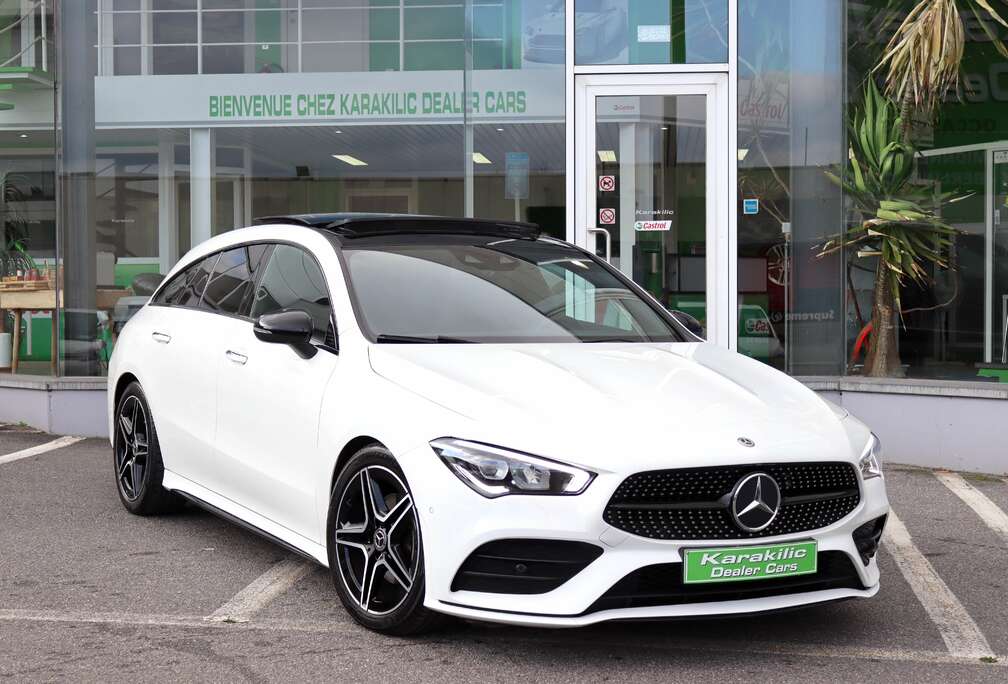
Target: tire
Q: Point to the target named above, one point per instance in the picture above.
(136, 457)
(376, 549)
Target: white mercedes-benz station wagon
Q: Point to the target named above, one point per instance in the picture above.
(468, 418)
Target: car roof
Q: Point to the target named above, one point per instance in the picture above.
(357, 224)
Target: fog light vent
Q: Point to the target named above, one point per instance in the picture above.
(523, 566)
(867, 537)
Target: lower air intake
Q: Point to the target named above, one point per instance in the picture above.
(523, 566)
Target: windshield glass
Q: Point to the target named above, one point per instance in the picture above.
(481, 289)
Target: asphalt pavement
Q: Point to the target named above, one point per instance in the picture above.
(91, 593)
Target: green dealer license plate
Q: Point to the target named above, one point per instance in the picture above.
(739, 563)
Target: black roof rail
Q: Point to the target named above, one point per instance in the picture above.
(352, 224)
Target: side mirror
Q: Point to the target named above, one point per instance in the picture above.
(688, 322)
(293, 328)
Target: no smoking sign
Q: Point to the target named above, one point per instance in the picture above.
(606, 217)
(606, 183)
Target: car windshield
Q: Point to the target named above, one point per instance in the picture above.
(481, 289)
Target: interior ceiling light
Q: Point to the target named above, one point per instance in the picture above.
(742, 153)
(348, 159)
(480, 158)
(23, 135)
(607, 155)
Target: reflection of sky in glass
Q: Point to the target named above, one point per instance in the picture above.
(780, 35)
(647, 32)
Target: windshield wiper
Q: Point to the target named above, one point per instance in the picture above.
(418, 339)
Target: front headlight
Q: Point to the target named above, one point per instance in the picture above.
(870, 464)
(493, 471)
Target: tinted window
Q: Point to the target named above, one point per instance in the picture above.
(185, 288)
(229, 290)
(292, 280)
(228, 283)
(494, 290)
(170, 292)
(190, 294)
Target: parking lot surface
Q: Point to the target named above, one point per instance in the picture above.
(91, 593)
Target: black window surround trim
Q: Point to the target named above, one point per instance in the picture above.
(255, 283)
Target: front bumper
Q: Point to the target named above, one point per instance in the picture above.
(455, 521)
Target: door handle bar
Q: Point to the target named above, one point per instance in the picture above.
(163, 338)
(608, 242)
(235, 357)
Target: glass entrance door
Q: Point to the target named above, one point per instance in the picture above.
(655, 190)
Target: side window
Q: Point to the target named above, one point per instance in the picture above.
(169, 293)
(190, 294)
(180, 289)
(293, 280)
(229, 289)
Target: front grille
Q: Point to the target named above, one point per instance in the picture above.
(523, 566)
(694, 503)
(662, 585)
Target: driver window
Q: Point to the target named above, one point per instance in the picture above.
(293, 280)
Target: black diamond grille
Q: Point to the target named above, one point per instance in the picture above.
(693, 503)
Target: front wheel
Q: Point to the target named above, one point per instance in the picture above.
(375, 546)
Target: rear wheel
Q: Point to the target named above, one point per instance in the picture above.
(138, 466)
(375, 546)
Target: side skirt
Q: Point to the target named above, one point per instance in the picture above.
(220, 513)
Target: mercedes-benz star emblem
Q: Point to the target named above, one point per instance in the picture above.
(746, 442)
(755, 502)
(380, 539)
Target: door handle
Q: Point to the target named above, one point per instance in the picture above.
(608, 242)
(163, 338)
(235, 357)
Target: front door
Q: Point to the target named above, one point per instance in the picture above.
(653, 198)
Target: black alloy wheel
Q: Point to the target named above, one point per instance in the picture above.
(137, 457)
(375, 547)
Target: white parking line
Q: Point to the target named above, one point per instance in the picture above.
(961, 635)
(262, 591)
(351, 630)
(58, 443)
(993, 517)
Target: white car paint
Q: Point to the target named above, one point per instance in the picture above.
(260, 441)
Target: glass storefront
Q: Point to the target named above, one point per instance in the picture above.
(182, 119)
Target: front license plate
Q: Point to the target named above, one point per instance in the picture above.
(739, 563)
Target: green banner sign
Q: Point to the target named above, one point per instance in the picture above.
(367, 104)
(738, 563)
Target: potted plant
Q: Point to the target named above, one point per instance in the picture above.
(14, 257)
(900, 225)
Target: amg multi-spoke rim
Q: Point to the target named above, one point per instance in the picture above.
(132, 432)
(377, 540)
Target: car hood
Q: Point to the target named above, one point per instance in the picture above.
(601, 405)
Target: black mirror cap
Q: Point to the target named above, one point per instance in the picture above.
(293, 328)
(689, 322)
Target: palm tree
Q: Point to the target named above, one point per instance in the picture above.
(900, 225)
(922, 59)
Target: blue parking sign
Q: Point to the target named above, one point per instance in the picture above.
(750, 206)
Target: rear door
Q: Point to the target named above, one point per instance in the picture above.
(180, 374)
(269, 397)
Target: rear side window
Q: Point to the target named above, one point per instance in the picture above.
(190, 294)
(186, 287)
(293, 280)
(229, 290)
